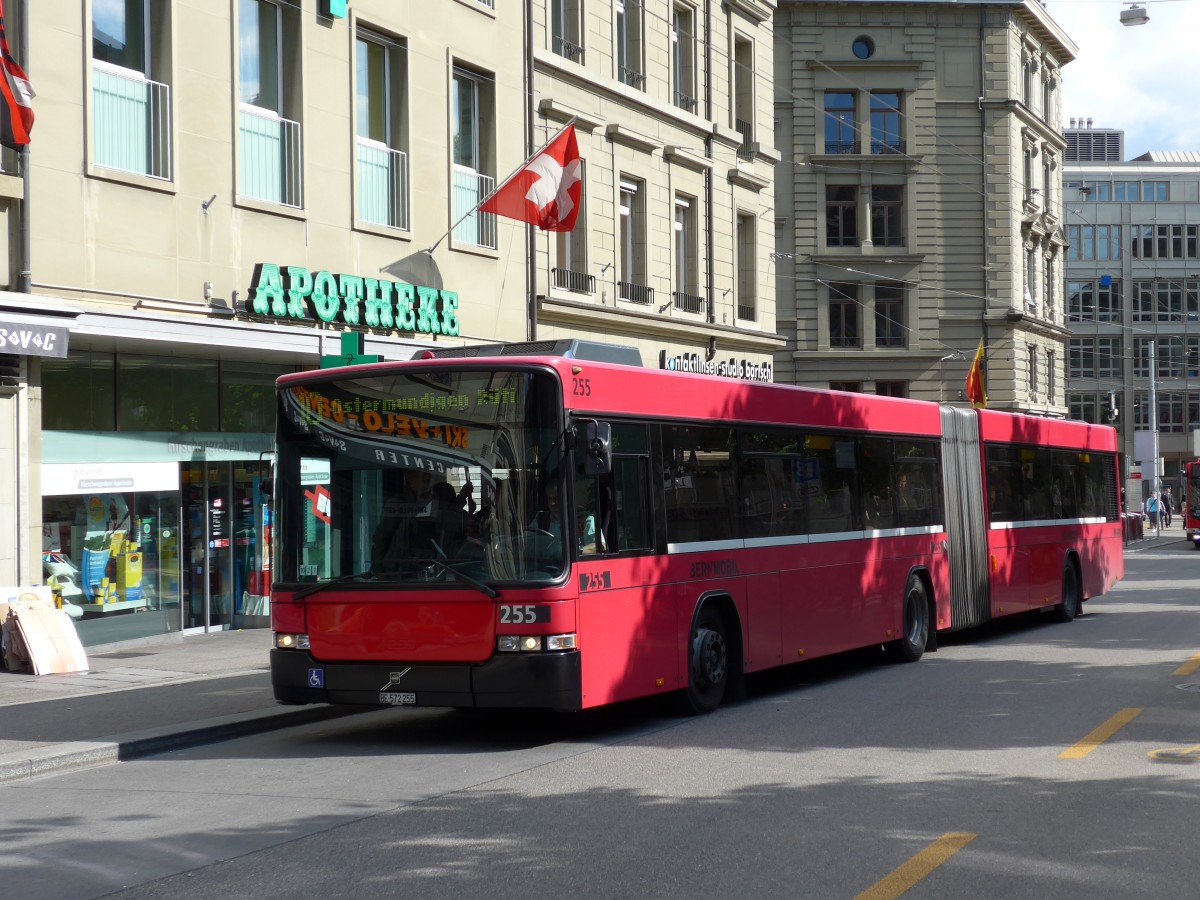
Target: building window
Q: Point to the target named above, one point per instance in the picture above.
(1032, 372)
(571, 270)
(1155, 191)
(843, 314)
(747, 273)
(687, 269)
(1031, 280)
(891, 388)
(630, 68)
(743, 95)
(1127, 191)
(269, 148)
(565, 28)
(1108, 357)
(632, 262)
(1028, 68)
(889, 315)
(683, 57)
(1142, 301)
(472, 120)
(131, 103)
(841, 215)
(885, 123)
(841, 132)
(382, 163)
(863, 47)
(1097, 191)
(1084, 407)
(1051, 375)
(851, 387)
(1081, 358)
(887, 215)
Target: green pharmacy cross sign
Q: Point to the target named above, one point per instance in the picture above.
(353, 344)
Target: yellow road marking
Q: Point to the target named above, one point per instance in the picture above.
(908, 874)
(1101, 734)
(1176, 754)
(1189, 667)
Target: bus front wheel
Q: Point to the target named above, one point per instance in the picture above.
(911, 645)
(1071, 603)
(708, 662)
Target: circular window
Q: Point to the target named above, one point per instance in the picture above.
(864, 47)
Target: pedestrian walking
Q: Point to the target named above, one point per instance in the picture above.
(1153, 508)
(1168, 508)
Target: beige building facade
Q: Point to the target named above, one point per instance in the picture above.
(919, 198)
(218, 192)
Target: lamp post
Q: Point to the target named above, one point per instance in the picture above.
(1153, 418)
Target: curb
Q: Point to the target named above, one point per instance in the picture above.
(23, 765)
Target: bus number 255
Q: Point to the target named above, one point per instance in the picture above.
(523, 614)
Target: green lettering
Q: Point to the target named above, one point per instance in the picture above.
(406, 318)
(378, 303)
(299, 287)
(428, 322)
(449, 313)
(266, 294)
(324, 297)
(351, 289)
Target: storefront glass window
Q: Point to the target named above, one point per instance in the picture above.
(78, 392)
(159, 393)
(114, 560)
(248, 396)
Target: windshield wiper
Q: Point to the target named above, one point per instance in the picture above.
(459, 575)
(321, 585)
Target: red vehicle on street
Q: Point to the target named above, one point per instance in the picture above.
(511, 527)
(1189, 502)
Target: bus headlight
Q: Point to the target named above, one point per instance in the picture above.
(291, 641)
(561, 642)
(534, 643)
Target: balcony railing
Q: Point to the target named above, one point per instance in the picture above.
(746, 130)
(688, 302)
(382, 184)
(478, 228)
(841, 146)
(887, 145)
(131, 122)
(270, 167)
(576, 282)
(683, 101)
(747, 313)
(569, 49)
(635, 293)
(632, 77)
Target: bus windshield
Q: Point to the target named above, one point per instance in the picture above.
(436, 475)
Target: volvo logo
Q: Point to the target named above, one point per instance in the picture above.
(396, 676)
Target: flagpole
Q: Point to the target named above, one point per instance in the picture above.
(499, 187)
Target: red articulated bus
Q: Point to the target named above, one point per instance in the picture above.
(1189, 503)
(538, 527)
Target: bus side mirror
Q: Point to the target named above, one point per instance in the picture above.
(597, 448)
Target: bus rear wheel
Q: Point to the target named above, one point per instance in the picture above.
(1071, 605)
(911, 645)
(708, 662)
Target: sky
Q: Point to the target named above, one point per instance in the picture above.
(1143, 80)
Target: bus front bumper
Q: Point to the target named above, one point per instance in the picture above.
(539, 680)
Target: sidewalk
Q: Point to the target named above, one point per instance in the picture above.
(142, 698)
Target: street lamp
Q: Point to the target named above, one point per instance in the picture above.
(1137, 14)
(1153, 418)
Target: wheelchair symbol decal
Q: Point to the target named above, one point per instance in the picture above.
(316, 678)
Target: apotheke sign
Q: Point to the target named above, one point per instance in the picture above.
(295, 294)
(745, 369)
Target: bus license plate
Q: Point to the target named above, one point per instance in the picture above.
(389, 698)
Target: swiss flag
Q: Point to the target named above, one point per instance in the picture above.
(16, 97)
(545, 191)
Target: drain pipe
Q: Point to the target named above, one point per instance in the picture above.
(709, 237)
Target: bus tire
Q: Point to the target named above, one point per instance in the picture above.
(910, 647)
(708, 662)
(1071, 604)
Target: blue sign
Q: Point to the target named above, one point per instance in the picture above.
(316, 678)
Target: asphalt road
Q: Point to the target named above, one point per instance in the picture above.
(1027, 760)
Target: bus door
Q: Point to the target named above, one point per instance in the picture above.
(966, 518)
